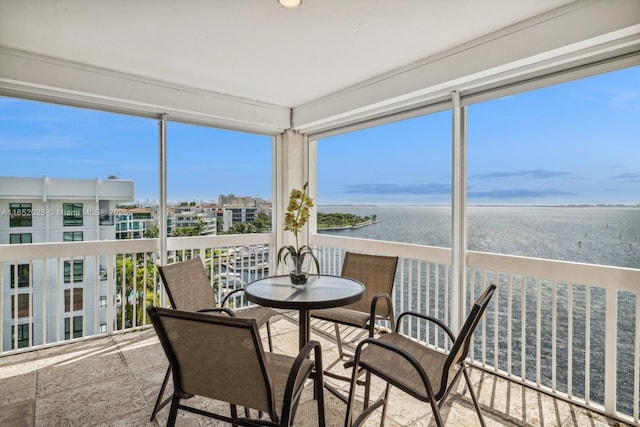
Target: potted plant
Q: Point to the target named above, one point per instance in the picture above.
(298, 258)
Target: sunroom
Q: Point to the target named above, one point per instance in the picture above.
(331, 89)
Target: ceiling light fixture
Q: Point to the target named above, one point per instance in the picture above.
(290, 4)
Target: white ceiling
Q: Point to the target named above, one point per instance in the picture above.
(255, 49)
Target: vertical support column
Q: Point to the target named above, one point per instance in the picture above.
(292, 172)
(312, 179)
(458, 213)
(162, 215)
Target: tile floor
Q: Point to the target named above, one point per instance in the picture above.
(114, 381)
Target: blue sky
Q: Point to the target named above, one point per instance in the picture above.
(577, 142)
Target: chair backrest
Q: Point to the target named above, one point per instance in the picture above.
(188, 285)
(460, 348)
(376, 272)
(219, 357)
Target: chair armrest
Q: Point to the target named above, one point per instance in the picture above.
(372, 313)
(428, 318)
(224, 301)
(290, 394)
(219, 310)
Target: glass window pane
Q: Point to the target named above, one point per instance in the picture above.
(72, 236)
(22, 277)
(23, 305)
(219, 181)
(94, 163)
(20, 214)
(77, 299)
(77, 327)
(558, 168)
(23, 335)
(398, 174)
(72, 213)
(78, 269)
(16, 239)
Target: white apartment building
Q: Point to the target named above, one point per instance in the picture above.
(41, 210)
(194, 219)
(236, 214)
(133, 223)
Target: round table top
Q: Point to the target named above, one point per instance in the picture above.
(321, 291)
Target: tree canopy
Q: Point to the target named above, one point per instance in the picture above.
(330, 220)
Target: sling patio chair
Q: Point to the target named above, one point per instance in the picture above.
(189, 289)
(222, 358)
(423, 372)
(377, 273)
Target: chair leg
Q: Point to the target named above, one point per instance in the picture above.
(436, 413)
(234, 413)
(473, 396)
(269, 336)
(435, 408)
(173, 412)
(367, 389)
(319, 392)
(384, 405)
(352, 393)
(159, 404)
(338, 341)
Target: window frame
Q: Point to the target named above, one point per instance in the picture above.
(77, 322)
(21, 237)
(78, 277)
(20, 215)
(73, 235)
(23, 341)
(78, 299)
(72, 214)
(22, 281)
(23, 302)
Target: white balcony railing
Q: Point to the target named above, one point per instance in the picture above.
(84, 289)
(570, 330)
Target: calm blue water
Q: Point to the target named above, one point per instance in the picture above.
(595, 235)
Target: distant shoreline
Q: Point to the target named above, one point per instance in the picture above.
(348, 227)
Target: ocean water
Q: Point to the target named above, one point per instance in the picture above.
(595, 235)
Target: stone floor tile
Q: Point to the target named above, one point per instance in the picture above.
(92, 368)
(17, 414)
(91, 403)
(18, 382)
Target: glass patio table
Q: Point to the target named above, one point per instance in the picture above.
(321, 291)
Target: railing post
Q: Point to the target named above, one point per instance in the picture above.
(458, 213)
(111, 292)
(611, 339)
